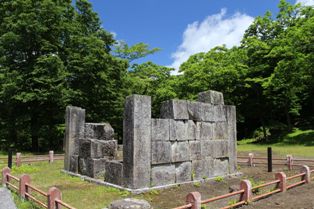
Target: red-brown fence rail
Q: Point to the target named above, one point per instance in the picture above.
(19, 159)
(249, 194)
(51, 199)
(289, 161)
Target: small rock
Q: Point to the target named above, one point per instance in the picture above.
(130, 203)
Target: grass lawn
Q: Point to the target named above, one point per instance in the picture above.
(298, 143)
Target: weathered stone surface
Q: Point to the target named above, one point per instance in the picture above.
(114, 172)
(178, 130)
(101, 131)
(206, 131)
(93, 148)
(220, 130)
(192, 130)
(211, 97)
(163, 175)
(130, 204)
(220, 167)
(94, 167)
(137, 141)
(195, 150)
(180, 151)
(219, 113)
(183, 172)
(174, 109)
(232, 136)
(83, 166)
(74, 163)
(160, 129)
(74, 123)
(215, 148)
(161, 152)
(200, 169)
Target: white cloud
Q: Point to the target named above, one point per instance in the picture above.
(214, 30)
(306, 2)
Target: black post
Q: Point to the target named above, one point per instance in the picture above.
(10, 153)
(270, 159)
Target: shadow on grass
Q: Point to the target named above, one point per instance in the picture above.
(305, 138)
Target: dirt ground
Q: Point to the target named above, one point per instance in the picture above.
(298, 197)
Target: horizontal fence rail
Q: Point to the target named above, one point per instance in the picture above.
(51, 157)
(289, 161)
(52, 198)
(249, 194)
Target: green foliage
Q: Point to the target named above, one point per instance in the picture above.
(219, 179)
(197, 184)
(232, 202)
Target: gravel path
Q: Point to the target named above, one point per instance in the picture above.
(6, 200)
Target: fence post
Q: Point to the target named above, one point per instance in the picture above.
(51, 156)
(270, 159)
(251, 155)
(18, 159)
(307, 177)
(195, 199)
(10, 153)
(289, 162)
(53, 194)
(24, 179)
(247, 187)
(282, 177)
(5, 171)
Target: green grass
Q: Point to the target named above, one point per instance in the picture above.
(76, 192)
(298, 143)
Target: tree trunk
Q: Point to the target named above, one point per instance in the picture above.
(12, 135)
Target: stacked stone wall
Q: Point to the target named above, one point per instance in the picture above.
(192, 140)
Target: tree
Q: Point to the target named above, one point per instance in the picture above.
(52, 54)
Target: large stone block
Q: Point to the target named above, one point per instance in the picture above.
(197, 110)
(192, 130)
(232, 136)
(178, 130)
(215, 148)
(206, 131)
(137, 141)
(174, 109)
(74, 160)
(101, 131)
(180, 151)
(220, 130)
(99, 167)
(220, 167)
(211, 97)
(160, 129)
(74, 130)
(200, 169)
(161, 152)
(163, 175)
(93, 148)
(83, 166)
(183, 172)
(195, 150)
(219, 113)
(114, 172)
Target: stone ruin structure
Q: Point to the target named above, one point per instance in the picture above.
(192, 140)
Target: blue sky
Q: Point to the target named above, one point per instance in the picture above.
(181, 27)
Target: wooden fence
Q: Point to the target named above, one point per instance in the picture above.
(19, 159)
(289, 161)
(51, 199)
(248, 194)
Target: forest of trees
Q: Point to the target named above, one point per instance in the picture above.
(55, 53)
